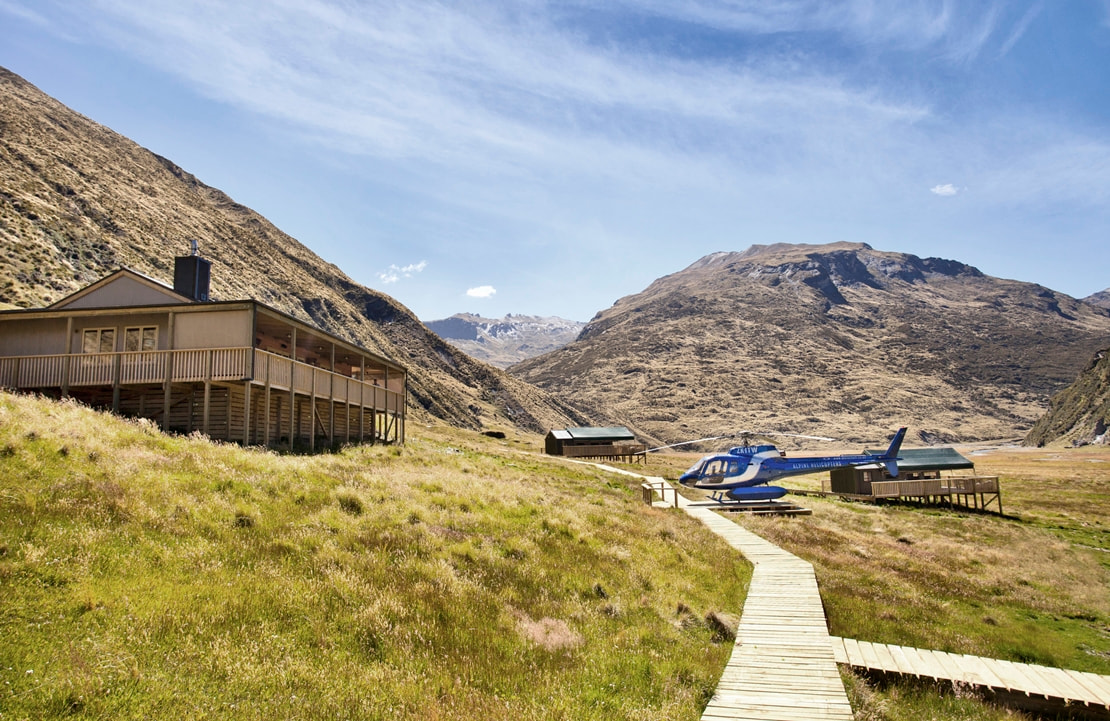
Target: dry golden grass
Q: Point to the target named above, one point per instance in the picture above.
(458, 577)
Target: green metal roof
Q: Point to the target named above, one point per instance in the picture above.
(615, 433)
(931, 459)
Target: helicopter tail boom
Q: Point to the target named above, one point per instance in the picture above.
(890, 458)
(895, 445)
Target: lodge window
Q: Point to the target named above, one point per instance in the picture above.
(98, 340)
(137, 339)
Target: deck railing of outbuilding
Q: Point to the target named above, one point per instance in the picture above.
(976, 491)
(629, 452)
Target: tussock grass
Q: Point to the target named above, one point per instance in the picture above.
(144, 575)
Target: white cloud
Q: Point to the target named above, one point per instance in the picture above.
(394, 273)
(482, 291)
(1019, 29)
(23, 13)
(504, 90)
(944, 190)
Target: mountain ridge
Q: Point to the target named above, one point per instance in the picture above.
(1101, 298)
(829, 339)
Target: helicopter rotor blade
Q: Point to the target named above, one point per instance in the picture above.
(686, 443)
(756, 434)
(747, 435)
(800, 435)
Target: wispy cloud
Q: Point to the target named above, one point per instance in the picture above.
(395, 273)
(944, 190)
(1019, 29)
(482, 291)
(497, 88)
(16, 10)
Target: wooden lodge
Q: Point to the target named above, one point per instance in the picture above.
(613, 443)
(928, 474)
(235, 371)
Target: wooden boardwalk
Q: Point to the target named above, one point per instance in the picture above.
(1052, 684)
(782, 666)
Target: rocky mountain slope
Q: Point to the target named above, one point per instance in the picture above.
(503, 342)
(838, 340)
(1101, 298)
(1080, 413)
(78, 201)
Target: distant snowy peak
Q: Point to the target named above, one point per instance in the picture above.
(505, 341)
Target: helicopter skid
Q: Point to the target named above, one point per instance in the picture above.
(751, 493)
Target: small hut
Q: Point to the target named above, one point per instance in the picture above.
(616, 442)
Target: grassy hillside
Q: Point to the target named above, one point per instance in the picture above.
(144, 575)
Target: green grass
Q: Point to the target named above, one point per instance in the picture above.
(144, 575)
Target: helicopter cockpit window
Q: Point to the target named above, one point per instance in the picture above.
(715, 467)
(721, 467)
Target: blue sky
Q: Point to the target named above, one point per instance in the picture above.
(549, 158)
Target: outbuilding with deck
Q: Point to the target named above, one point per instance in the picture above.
(610, 443)
(928, 474)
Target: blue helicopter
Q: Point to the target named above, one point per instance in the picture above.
(742, 472)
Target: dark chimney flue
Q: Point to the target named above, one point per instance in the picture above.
(191, 275)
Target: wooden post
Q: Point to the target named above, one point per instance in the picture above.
(116, 364)
(167, 388)
(246, 412)
(362, 401)
(385, 404)
(312, 414)
(68, 348)
(266, 432)
(331, 398)
(292, 386)
(208, 391)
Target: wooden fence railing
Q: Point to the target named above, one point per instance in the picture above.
(129, 368)
(192, 366)
(282, 372)
(913, 489)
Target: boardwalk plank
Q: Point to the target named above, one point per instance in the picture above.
(1099, 684)
(1065, 686)
(886, 660)
(904, 665)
